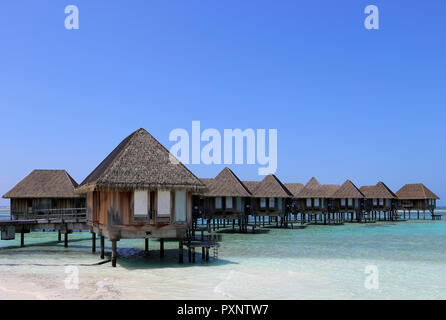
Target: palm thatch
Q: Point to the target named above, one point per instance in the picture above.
(225, 184)
(251, 185)
(378, 191)
(312, 184)
(415, 191)
(44, 184)
(315, 191)
(140, 162)
(294, 188)
(271, 187)
(308, 191)
(348, 190)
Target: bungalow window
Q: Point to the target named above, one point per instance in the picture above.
(350, 202)
(388, 203)
(140, 203)
(342, 202)
(262, 202)
(316, 202)
(228, 202)
(218, 203)
(279, 204)
(308, 203)
(44, 204)
(323, 203)
(271, 202)
(238, 202)
(180, 206)
(356, 203)
(375, 202)
(381, 202)
(163, 203)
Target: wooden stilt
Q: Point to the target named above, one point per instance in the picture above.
(93, 242)
(203, 254)
(114, 253)
(66, 240)
(193, 255)
(180, 244)
(161, 248)
(146, 245)
(59, 236)
(102, 247)
(22, 239)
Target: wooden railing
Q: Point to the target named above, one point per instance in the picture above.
(51, 214)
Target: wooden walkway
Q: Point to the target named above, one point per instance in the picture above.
(63, 223)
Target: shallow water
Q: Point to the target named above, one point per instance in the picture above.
(326, 262)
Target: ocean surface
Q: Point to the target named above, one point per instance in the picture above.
(317, 262)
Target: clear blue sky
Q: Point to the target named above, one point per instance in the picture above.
(347, 102)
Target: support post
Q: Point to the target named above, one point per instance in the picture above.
(66, 239)
(102, 247)
(161, 248)
(93, 242)
(146, 245)
(22, 239)
(59, 236)
(114, 253)
(181, 251)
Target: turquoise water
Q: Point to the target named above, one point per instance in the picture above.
(318, 262)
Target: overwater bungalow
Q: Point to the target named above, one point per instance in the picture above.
(316, 202)
(380, 200)
(140, 191)
(270, 198)
(417, 197)
(294, 188)
(43, 193)
(349, 200)
(226, 198)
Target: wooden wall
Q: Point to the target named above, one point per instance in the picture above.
(33, 205)
(109, 208)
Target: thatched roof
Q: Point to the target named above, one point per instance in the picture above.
(378, 191)
(140, 161)
(251, 185)
(415, 191)
(225, 184)
(45, 184)
(271, 187)
(294, 188)
(312, 184)
(321, 191)
(348, 190)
